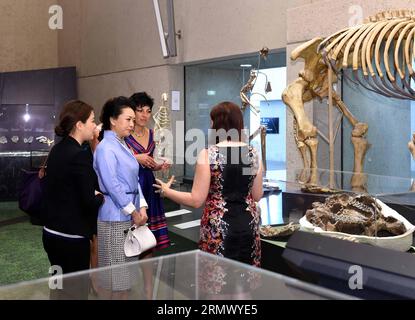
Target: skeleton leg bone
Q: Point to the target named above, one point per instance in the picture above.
(306, 133)
(301, 146)
(303, 177)
(360, 145)
(312, 144)
(358, 180)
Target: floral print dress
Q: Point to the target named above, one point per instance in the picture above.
(230, 220)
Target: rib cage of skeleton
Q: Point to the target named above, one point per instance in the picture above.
(380, 53)
(382, 48)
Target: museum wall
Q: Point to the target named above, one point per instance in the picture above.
(199, 79)
(116, 49)
(122, 35)
(220, 28)
(69, 37)
(27, 43)
(104, 37)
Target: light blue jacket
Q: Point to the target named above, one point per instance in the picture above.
(117, 171)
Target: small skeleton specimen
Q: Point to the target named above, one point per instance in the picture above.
(162, 134)
(247, 90)
(359, 215)
(245, 94)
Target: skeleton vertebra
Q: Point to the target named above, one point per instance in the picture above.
(162, 134)
(367, 48)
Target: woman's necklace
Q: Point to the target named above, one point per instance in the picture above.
(140, 135)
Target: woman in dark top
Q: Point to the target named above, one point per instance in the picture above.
(71, 200)
(228, 179)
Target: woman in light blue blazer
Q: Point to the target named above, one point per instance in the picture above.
(117, 171)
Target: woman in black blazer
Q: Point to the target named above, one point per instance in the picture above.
(71, 199)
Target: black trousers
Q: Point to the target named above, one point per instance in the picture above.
(71, 255)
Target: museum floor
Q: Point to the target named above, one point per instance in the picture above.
(21, 250)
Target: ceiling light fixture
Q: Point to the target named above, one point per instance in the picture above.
(26, 116)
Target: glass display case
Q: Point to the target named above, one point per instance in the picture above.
(192, 275)
(26, 127)
(352, 198)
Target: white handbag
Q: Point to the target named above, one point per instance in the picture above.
(138, 240)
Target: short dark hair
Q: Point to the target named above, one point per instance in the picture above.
(112, 109)
(141, 99)
(227, 115)
(72, 112)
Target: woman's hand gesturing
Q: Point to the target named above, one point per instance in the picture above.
(162, 187)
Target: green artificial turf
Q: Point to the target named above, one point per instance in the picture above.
(21, 253)
(22, 256)
(10, 210)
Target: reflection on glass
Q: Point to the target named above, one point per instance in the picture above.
(209, 83)
(271, 210)
(191, 275)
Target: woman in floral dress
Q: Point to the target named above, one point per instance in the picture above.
(228, 179)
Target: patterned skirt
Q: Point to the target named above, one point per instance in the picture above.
(111, 239)
(157, 222)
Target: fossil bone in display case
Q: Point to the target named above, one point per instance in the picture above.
(359, 218)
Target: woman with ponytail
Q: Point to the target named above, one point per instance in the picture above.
(71, 199)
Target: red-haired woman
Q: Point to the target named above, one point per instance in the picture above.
(228, 179)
